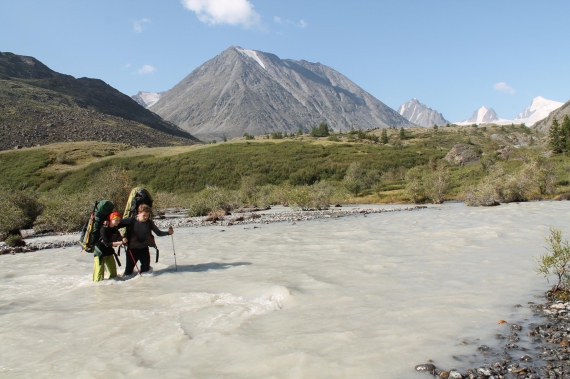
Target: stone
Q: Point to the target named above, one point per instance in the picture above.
(462, 154)
(426, 367)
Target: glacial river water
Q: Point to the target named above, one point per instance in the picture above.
(365, 296)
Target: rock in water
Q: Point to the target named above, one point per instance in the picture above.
(426, 367)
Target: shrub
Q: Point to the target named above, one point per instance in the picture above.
(111, 184)
(212, 198)
(356, 179)
(12, 218)
(556, 262)
(215, 215)
(320, 131)
(14, 240)
(436, 184)
(414, 184)
(317, 196)
(63, 213)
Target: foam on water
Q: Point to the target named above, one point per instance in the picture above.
(367, 296)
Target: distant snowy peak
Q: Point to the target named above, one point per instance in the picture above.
(147, 99)
(420, 114)
(483, 115)
(539, 109)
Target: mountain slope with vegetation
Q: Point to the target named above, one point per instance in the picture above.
(39, 106)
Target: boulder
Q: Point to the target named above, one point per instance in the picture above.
(462, 154)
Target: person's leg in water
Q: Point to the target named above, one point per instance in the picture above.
(98, 269)
(111, 266)
(144, 257)
(130, 263)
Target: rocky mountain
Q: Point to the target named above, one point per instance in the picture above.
(248, 91)
(39, 106)
(482, 115)
(147, 99)
(420, 114)
(557, 114)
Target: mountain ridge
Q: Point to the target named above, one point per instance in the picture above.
(43, 106)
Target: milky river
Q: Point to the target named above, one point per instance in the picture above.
(366, 296)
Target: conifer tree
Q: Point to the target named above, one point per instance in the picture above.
(565, 134)
(384, 136)
(402, 133)
(554, 137)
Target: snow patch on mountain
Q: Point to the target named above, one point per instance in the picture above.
(251, 54)
(147, 99)
(483, 115)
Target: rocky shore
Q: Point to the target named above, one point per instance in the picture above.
(243, 218)
(546, 355)
(237, 218)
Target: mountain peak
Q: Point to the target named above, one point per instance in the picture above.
(420, 114)
(249, 91)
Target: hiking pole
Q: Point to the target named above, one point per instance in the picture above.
(175, 265)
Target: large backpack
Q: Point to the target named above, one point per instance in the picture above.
(138, 196)
(92, 229)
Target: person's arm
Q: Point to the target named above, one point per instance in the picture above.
(105, 236)
(159, 232)
(125, 223)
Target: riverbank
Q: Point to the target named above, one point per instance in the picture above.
(530, 350)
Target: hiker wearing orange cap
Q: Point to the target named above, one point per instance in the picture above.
(104, 253)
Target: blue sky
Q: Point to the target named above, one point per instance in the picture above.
(454, 56)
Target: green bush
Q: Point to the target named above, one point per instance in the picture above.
(14, 240)
(63, 213)
(317, 196)
(212, 199)
(12, 218)
(556, 262)
(111, 184)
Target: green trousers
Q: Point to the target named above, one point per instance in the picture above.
(99, 267)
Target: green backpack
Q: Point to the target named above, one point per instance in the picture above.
(92, 229)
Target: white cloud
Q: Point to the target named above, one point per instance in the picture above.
(301, 24)
(504, 87)
(127, 65)
(146, 69)
(138, 25)
(232, 12)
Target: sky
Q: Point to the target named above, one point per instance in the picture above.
(454, 56)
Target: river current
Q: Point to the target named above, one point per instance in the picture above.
(366, 296)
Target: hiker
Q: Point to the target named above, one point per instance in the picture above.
(139, 238)
(104, 253)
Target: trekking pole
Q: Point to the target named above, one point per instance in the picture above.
(133, 258)
(175, 265)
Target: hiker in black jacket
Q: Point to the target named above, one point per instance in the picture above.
(104, 253)
(139, 238)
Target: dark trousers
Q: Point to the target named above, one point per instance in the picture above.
(142, 255)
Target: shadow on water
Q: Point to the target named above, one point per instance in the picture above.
(202, 267)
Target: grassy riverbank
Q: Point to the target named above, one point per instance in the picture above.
(301, 170)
